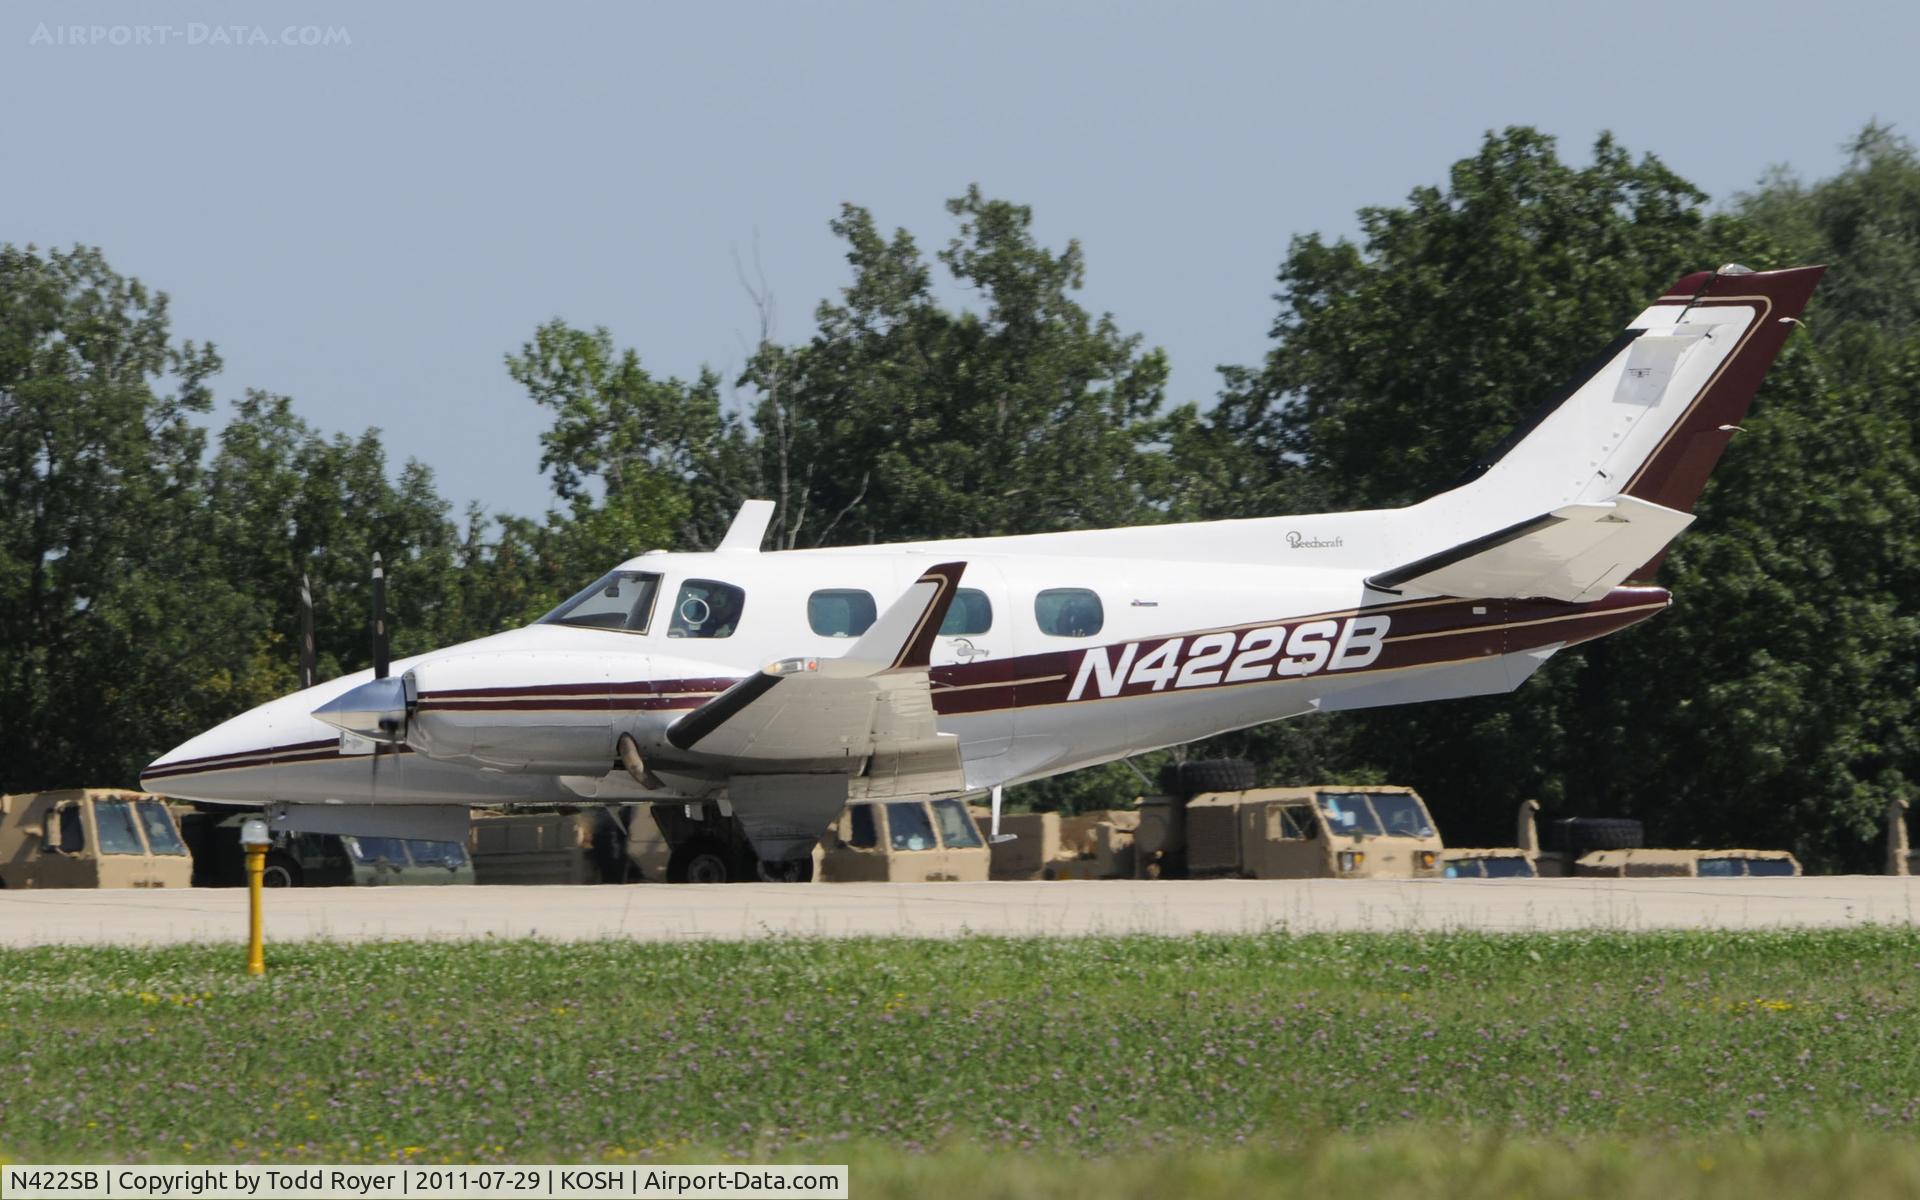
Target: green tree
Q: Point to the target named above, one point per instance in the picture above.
(1773, 704)
(115, 631)
(639, 462)
(285, 501)
(902, 418)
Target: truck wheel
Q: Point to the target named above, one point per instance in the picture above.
(701, 862)
(1201, 775)
(792, 870)
(1577, 835)
(280, 871)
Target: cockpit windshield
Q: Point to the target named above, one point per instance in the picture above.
(619, 600)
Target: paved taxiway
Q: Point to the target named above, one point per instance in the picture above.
(740, 911)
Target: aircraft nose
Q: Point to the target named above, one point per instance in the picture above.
(223, 762)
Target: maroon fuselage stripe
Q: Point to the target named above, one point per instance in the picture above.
(1423, 633)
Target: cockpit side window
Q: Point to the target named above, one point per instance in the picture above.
(618, 600)
(706, 608)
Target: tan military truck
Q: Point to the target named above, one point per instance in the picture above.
(317, 859)
(1334, 831)
(905, 841)
(568, 846)
(90, 837)
(699, 843)
(1089, 845)
(1612, 848)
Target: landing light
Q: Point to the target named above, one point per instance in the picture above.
(793, 666)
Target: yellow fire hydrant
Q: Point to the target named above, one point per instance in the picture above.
(255, 839)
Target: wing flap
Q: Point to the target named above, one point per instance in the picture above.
(1576, 553)
(835, 713)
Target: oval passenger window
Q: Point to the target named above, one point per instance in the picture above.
(1069, 612)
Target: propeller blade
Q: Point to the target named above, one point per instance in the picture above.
(308, 659)
(379, 618)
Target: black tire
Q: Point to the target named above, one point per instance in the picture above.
(792, 870)
(701, 862)
(1201, 775)
(280, 871)
(1577, 835)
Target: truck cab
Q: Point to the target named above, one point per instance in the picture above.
(1335, 831)
(905, 841)
(88, 838)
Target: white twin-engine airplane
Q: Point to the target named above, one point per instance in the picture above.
(782, 685)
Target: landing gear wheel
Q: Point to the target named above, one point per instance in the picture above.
(702, 862)
(280, 871)
(792, 870)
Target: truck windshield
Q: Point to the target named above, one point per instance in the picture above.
(377, 849)
(161, 834)
(437, 854)
(956, 827)
(114, 819)
(619, 600)
(908, 827)
(1348, 815)
(1400, 814)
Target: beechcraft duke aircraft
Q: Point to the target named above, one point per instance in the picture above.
(784, 684)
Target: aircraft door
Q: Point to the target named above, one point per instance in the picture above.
(972, 664)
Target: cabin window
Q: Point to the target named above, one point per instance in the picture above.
(908, 827)
(620, 600)
(957, 830)
(840, 612)
(1769, 866)
(159, 827)
(1292, 822)
(860, 833)
(971, 614)
(113, 819)
(1068, 612)
(706, 609)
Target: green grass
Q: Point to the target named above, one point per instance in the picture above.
(1383, 1056)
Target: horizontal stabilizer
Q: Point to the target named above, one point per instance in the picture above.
(1577, 553)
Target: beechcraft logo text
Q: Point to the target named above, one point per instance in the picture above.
(1300, 541)
(1268, 652)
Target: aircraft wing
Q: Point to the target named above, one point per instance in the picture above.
(1576, 553)
(835, 714)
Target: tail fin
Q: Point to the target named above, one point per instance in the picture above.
(1649, 418)
(1608, 470)
(1677, 469)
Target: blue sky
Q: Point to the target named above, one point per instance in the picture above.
(370, 225)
